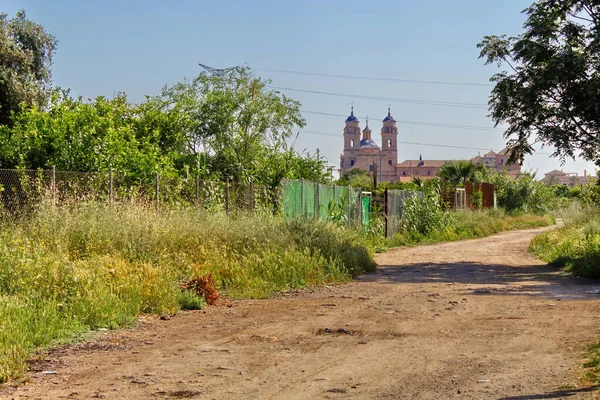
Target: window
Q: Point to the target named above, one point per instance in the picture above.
(352, 163)
(502, 161)
(428, 173)
(371, 168)
(352, 143)
(403, 173)
(389, 143)
(390, 162)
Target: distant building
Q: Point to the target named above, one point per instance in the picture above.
(569, 179)
(365, 154)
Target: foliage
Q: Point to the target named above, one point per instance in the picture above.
(26, 51)
(357, 178)
(212, 127)
(423, 215)
(477, 199)
(65, 271)
(458, 173)
(586, 194)
(74, 135)
(468, 224)
(553, 87)
(575, 246)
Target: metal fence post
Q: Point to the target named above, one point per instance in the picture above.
(53, 185)
(360, 208)
(110, 186)
(349, 211)
(227, 196)
(156, 194)
(386, 210)
(317, 208)
(302, 198)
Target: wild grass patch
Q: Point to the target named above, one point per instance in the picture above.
(575, 247)
(66, 271)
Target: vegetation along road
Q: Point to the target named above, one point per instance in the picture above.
(478, 319)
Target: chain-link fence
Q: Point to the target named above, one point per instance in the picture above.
(23, 190)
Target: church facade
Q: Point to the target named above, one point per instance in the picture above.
(364, 153)
(361, 151)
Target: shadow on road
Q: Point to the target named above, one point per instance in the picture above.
(490, 279)
(559, 394)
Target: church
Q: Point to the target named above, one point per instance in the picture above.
(365, 154)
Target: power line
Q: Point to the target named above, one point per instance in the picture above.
(390, 99)
(375, 78)
(414, 143)
(439, 125)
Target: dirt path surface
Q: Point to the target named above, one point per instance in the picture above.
(479, 319)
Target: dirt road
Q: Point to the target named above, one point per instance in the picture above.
(479, 319)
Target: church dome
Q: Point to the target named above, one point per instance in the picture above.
(352, 118)
(389, 117)
(368, 144)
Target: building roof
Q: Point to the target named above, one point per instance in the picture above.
(369, 144)
(504, 152)
(423, 163)
(352, 118)
(490, 153)
(389, 117)
(556, 173)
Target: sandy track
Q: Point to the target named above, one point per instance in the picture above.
(478, 319)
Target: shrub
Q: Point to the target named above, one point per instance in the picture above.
(575, 247)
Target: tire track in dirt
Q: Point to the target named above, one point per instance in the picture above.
(478, 319)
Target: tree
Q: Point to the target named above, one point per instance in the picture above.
(551, 95)
(26, 51)
(233, 120)
(356, 177)
(458, 173)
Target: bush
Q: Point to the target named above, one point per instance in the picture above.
(575, 247)
(461, 225)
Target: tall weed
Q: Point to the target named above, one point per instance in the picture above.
(65, 271)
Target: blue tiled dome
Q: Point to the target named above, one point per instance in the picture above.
(369, 144)
(389, 117)
(352, 118)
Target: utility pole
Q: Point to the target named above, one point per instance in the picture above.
(374, 174)
(380, 166)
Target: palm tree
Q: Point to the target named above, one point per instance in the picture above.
(459, 172)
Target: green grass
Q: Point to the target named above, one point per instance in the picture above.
(67, 271)
(461, 225)
(575, 247)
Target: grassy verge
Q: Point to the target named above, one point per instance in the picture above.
(68, 271)
(575, 247)
(463, 225)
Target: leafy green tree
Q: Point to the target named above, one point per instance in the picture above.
(356, 177)
(234, 120)
(551, 91)
(26, 51)
(74, 135)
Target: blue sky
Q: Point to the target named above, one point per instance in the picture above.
(139, 46)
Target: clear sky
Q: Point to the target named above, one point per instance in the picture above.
(139, 46)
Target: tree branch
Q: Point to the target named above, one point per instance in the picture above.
(581, 18)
